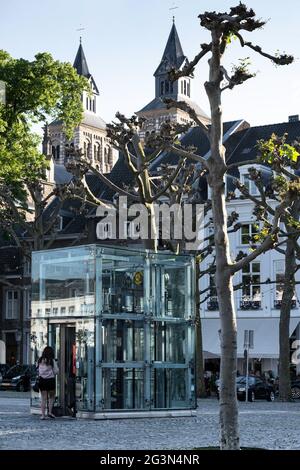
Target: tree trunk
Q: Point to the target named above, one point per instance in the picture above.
(229, 438)
(228, 400)
(285, 393)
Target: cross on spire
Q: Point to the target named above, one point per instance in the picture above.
(80, 37)
(174, 7)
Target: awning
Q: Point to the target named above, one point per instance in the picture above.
(266, 336)
(210, 355)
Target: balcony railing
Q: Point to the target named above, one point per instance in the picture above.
(213, 304)
(250, 304)
(278, 303)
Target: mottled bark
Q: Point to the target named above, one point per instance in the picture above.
(229, 429)
(285, 393)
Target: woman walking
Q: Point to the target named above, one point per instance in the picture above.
(47, 371)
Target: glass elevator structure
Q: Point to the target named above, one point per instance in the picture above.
(121, 323)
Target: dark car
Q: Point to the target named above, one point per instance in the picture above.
(257, 388)
(19, 377)
(3, 369)
(296, 389)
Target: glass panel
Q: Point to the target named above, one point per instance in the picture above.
(85, 365)
(173, 286)
(63, 281)
(255, 267)
(245, 234)
(169, 343)
(123, 286)
(113, 309)
(55, 343)
(38, 341)
(123, 388)
(122, 340)
(169, 388)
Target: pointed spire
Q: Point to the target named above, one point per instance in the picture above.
(80, 63)
(47, 147)
(173, 55)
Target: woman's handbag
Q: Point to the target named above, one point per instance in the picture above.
(35, 386)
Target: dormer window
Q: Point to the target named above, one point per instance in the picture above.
(250, 185)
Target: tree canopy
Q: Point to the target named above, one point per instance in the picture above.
(35, 91)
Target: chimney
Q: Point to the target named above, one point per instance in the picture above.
(294, 118)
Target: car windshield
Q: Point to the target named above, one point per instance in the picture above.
(242, 380)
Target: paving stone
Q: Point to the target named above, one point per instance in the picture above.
(262, 424)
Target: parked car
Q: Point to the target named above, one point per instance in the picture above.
(296, 388)
(19, 377)
(3, 369)
(257, 388)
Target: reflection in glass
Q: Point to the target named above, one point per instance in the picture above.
(122, 340)
(121, 324)
(123, 388)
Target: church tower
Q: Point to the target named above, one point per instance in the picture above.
(90, 135)
(156, 112)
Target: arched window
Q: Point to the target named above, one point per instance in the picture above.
(53, 152)
(94, 104)
(99, 153)
(105, 155)
(110, 156)
(189, 89)
(184, 83)
(89, 150)
(182, 87)
(162, 87)
(167, 86)
(87, 103)
(85, 149)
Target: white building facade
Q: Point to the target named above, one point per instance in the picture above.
(257, 303)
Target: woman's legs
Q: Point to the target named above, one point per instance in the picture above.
(43, 403)
(51, 401)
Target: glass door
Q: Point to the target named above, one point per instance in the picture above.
(62, 339)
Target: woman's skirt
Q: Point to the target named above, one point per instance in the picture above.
(47, 385)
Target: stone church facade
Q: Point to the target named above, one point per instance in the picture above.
(90, 135)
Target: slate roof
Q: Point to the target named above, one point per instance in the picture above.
(80, 63)
(243, 146)
(173, 55)
(61, 175)
(239, 140)
(93, 120)
(157, 104)
(196, 137)
(81, 66)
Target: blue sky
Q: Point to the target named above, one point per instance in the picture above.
(124, 41)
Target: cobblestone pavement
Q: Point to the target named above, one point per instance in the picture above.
(262, 424)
